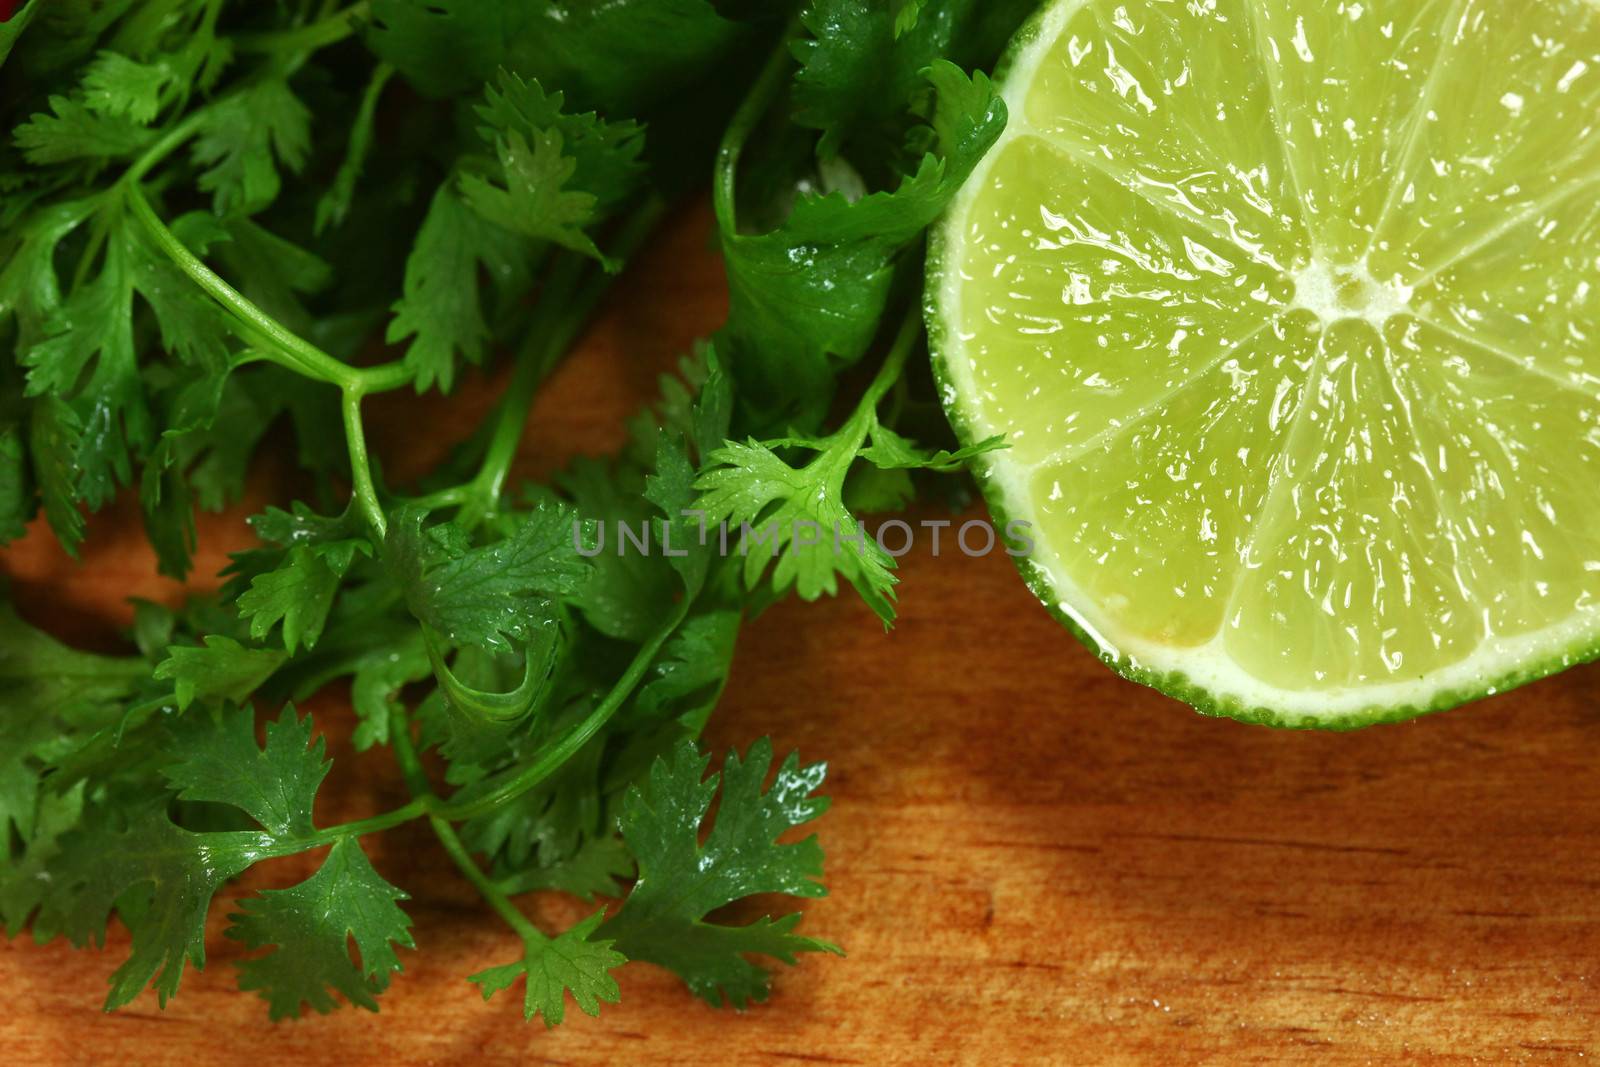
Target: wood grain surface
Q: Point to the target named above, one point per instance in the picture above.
(1031, 861)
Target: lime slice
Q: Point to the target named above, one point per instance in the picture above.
(1291, 314)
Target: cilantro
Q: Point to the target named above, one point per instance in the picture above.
(681, 881)
(488, 595)
(571, 963)
(159, 876)
(274, 784)
(243, 141)
(808, 297)
(309, 927)
(220, 669)
(71, 130)
(212, 217)
(613, 56)
(535, 204)
(440, 307)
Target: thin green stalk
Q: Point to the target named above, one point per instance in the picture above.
(567, 309)
(373, 824)
(320, 34)
(545, 343)
(856, 428)
(417, 781)
(366, 493)
(292, 351)
(895, 361)
(167, 144)
(485, 886)
(556, 755)
(768, 85)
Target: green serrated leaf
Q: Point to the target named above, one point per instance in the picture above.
(298, 593)
(70, 131)
(220, 762)
(159, 877)
(807, 298)
(794, 519)
(605, 155)
(245, 139)
(680, 881)
(890, 451)
(571, 963)
(488, 596)
(620, 57)
(538, 198)
(220, 670)
(440, 308)
(117, 86)
(592, 870)
(309, 928)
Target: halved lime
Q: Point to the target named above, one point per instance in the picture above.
(1291, 313)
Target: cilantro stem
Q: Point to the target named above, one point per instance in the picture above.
(417, 781)
(553, 757)
(371, 825)
(485, 886)
(291, 350)
(768, 85)
(366, 493)
(164, 146)
(547, 341)
(855, 429)
(330, 30)
(895, 361)
(539, 352)
(287, 349)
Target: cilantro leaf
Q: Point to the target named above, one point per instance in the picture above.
(55, 435)
(890, 451)
(221, 669)
(681, 881)
(55, 698)
(89, 357)
(440, 308)
(592, 870)
(274, 784)
(617, 57)
(25, 879)
(491, 595)
(605, 155)
(17, 502)
(688, 677)
(807, 297)
(298, 592)
(160, 878)
(534, 201)
(243, 141)
(71, 130)
(309, 928)
(626, 588)
(570, 963)
(796, 518)
(116, 85)
(860, 80)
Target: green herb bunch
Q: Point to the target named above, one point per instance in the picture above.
(224, 226)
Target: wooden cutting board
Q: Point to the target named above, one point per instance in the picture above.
(1031, 860)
